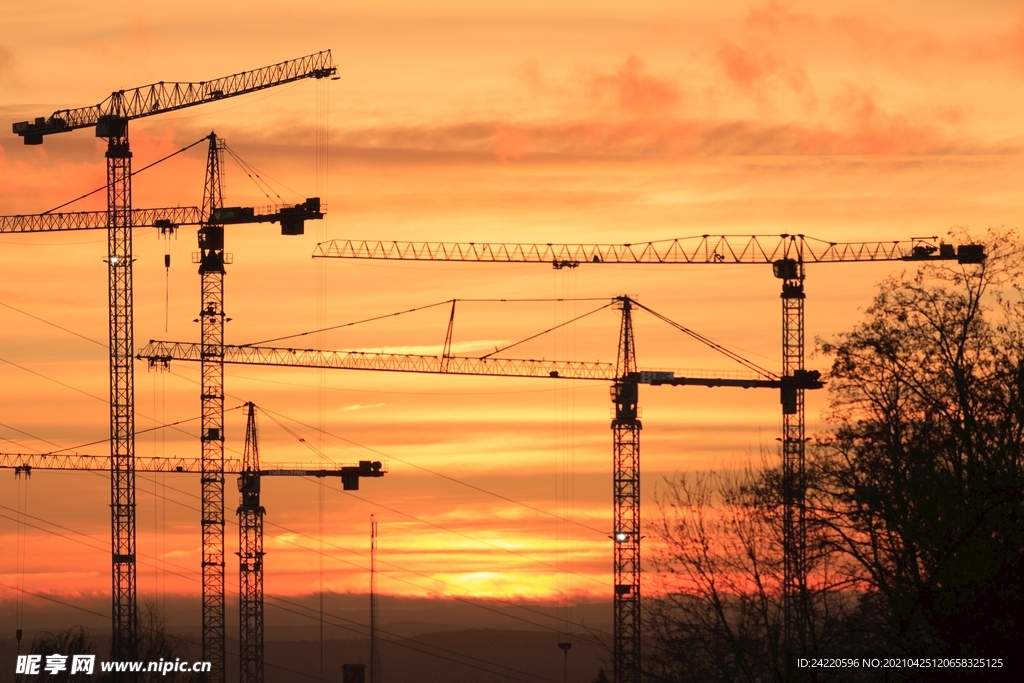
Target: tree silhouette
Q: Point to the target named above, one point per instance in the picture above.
(915, 501)
(921, 484)
(67, 642)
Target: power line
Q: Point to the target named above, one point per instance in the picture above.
(459, 533)
(101, 548)
(271, 413)
(59, 327)
(336, 557)
(448, 477)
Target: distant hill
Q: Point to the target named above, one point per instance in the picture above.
(423, 640)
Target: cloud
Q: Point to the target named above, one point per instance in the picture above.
(129, 41)
(777, 17)
(360, 406)
(436, 350)
(1013, 46)
(530, 75)
(510, 142)
(855, 123)
(633, 91)
(6, 63)
(751, 71)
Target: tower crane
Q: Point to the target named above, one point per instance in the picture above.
(110, 120)
(250, 516)
(27, 463)
(250, 542)
(625, 378)
(787, 255)
(213, 216)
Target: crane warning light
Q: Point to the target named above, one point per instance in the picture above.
(621, 537)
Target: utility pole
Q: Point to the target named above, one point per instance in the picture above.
(564, 647)
(375, 672)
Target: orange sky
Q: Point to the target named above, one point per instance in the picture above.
(584, 122)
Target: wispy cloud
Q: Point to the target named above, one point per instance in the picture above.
(6, 62)
(438, 349)
(363, 406)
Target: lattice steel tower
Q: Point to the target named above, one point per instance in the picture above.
(114, 128)
(211, 323)
(626, 491)
(250, 556)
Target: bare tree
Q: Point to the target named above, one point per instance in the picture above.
(155, 644)
(915, 501)
(66, 642)
(719, 558)
(921, 483)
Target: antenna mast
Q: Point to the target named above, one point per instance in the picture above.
(374, 650)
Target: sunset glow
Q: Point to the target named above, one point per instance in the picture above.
(509, 121)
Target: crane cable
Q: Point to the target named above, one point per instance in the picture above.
(165, 235)
(446, 302)
(256, 177)
(321, 337)
(750, 365)
(349, 324)
(133, 174)
(550, 329)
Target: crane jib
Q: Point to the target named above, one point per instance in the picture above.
(112, 114)
(775, 250)
(161, 353)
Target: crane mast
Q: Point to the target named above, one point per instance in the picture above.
(250, 556)
(124, 637)
(626, 506)
(110, 119)
(795, 612)
(211, 325)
